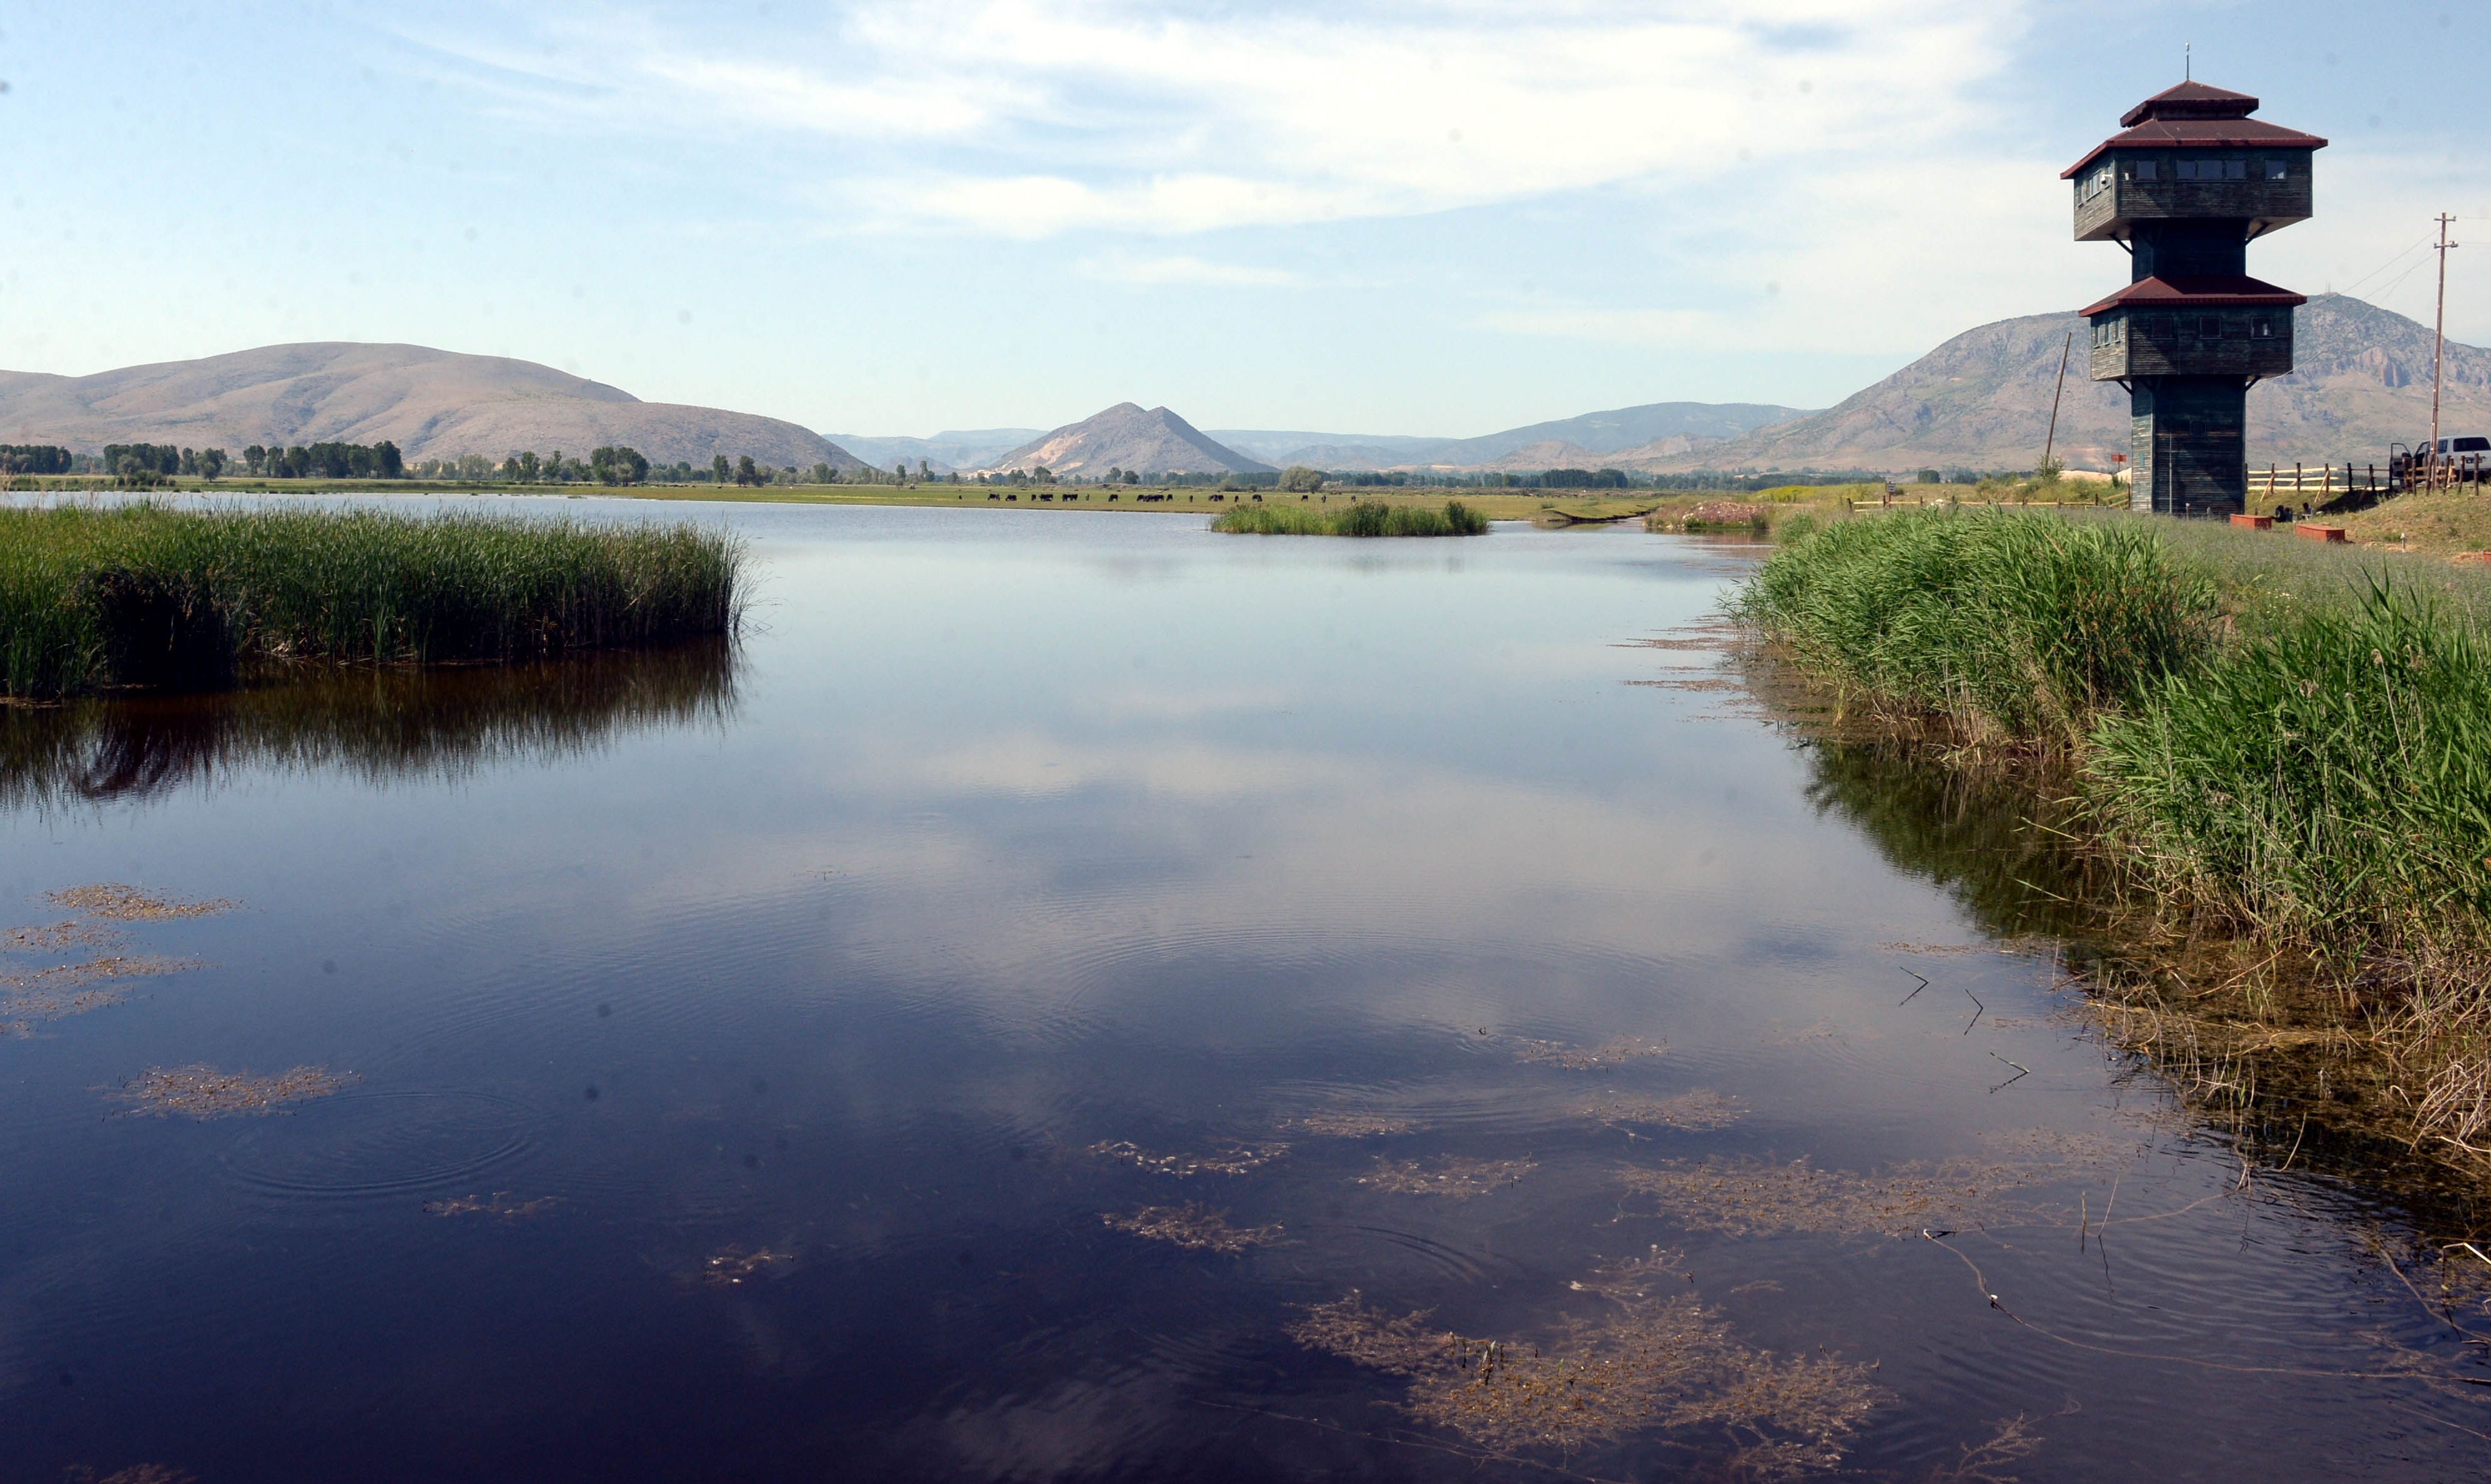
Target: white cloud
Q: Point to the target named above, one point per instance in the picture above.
(1033, 117)
(1117, 268)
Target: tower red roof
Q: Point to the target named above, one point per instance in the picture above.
(2190, 100)
(2196, 116)
(2198, 292)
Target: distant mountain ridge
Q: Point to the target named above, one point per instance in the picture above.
(946, 450)
(431, 404)
(1126, 436)
(1593, 435)
(1983, 401)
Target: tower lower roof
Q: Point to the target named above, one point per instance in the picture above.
(2192, 291)
(2198, 134)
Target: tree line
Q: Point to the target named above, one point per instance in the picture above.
(326, 461)
(33, 458)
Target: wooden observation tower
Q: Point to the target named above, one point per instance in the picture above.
(2186, 185)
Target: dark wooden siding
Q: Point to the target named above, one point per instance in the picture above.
(2104, 214)
(2185, 446)
(2170, 343)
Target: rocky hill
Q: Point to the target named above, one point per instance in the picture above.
(1983, 401)
(431, 404)
(1125, 436)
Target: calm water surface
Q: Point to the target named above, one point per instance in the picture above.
(800, 1062)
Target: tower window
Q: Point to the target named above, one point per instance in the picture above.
(2236, 169)
(2262, 329)
(2274, 170)
(2145, 170)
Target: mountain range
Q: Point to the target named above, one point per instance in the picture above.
(1983, 401)
(2361, 380)
(431, 404)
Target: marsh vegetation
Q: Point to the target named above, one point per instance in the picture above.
(148, 594)
(1360, 517)
(2274, 759)
(201, 1091)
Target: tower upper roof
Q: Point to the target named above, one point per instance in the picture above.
(2196, 116)
(2190, 100)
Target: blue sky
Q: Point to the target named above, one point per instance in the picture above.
(1391, 217)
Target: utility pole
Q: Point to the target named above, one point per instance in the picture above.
(2439, 344)
(2050, 441)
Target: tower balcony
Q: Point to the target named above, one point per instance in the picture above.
(2263, 189)
(2193, 327)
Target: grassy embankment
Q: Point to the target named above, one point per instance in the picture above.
(1365, 517)
(152, 596)
(1495, 504)
(2279, 755)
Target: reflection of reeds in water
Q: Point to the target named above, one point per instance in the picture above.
(376, 724)
(1194, 1227)
(1453, 1176)
(204, 1093)
(1652, 1357)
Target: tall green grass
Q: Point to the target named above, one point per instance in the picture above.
(2008, 627)
(2291, 743)
(1361, 518)
(2330, 777)
(147, 594)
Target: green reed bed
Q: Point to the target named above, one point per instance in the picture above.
(2289, 742)
(147, 594)
(2007, 628)
(1361, 518)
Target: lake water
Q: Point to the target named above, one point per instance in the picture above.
(1056, 999)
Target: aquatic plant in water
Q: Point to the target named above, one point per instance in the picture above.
(1695, 1112)
(1348, 1124)
(1652, 1357)
(1192, 1226)
(1453, 1176)
(1621, 1052)
(1236, 1159)
(201, 1092)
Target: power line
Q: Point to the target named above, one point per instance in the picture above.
(2393, 258)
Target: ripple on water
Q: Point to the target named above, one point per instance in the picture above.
(381, 1146)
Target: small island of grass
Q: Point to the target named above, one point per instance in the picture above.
(145, 595)
(1361, 518)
